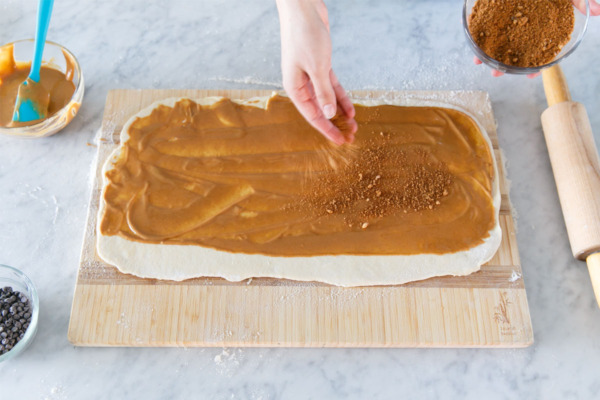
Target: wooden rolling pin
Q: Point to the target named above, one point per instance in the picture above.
(576, 170)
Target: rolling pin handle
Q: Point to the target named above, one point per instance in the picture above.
(555, 85)
(593, 263)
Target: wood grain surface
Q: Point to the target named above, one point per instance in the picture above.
(576, 167)
(487, 308)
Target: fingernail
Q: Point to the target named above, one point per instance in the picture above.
(329, 111)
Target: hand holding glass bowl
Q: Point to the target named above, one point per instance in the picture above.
(582, 13)
(56, 57)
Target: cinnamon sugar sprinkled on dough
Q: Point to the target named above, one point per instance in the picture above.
(367, 188)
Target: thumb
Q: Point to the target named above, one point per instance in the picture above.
(325, 94)
(594, 7)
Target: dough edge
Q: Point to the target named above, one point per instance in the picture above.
(178, 262)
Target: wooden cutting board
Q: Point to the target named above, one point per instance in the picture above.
(487, 308)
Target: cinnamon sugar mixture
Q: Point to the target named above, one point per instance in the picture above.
(523, 33)
(366, 188)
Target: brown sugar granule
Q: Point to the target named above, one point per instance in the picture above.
(523, 33)
(380, 180)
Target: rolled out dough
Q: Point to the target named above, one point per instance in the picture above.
(180, 262)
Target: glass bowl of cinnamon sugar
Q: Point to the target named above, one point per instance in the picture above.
(524, 36)
(60, 75)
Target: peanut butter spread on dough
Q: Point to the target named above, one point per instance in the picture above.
(245, 179)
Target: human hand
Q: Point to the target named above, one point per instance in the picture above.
(496, 73)
(306, 68)
(594, 6)
(580, 4)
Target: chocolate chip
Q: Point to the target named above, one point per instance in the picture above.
(15, 317)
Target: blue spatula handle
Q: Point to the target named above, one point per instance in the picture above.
(43, 20)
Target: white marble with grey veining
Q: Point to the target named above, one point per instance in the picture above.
(404, 44)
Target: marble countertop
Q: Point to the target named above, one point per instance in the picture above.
(44, 189)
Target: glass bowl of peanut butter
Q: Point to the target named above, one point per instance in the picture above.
(524, 36)
(60, 75)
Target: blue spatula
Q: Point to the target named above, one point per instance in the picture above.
(32, 100)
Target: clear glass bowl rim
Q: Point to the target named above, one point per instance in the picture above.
(34, 301)
(41, 124)
(512, 69)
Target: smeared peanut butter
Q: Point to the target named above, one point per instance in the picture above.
(244, 179)
(57, 84)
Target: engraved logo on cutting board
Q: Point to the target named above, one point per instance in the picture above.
(501, 315)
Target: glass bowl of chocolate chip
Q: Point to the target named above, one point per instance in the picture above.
(19, 305)
(524, 36)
